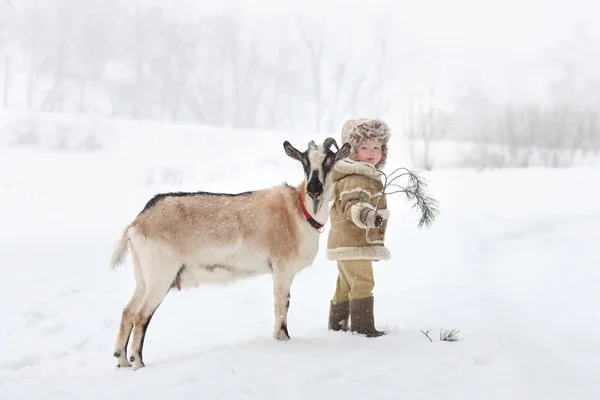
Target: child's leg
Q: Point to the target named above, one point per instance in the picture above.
(342, 287)
(359, 276)
(339, 309)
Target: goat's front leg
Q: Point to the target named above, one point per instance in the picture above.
(282, 282)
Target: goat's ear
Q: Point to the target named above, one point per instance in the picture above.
(343, 152)
(292, 151)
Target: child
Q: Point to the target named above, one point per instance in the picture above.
(356, 237)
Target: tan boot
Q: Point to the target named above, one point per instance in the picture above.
(338, 316)
(362, 319)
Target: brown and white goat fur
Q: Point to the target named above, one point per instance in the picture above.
(187, 239)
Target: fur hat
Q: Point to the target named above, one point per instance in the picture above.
(355, 131)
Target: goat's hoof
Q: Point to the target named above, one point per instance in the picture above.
(122, 360)
(123, 364)
(281, 332)
(137, 362)
(282, 336)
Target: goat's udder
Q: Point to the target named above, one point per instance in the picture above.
(176, 283)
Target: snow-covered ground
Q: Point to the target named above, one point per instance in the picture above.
(512, 262)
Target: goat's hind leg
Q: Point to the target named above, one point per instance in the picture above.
(126, 325)
(156, 291)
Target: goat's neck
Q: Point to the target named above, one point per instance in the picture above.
(322, 214)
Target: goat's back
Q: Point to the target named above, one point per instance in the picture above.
(264, 221)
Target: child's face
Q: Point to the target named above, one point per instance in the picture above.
(369, 151)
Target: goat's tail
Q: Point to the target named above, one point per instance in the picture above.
(118, 257)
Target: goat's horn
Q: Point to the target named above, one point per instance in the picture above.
(330, 141)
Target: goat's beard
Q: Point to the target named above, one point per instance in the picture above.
(317, 205)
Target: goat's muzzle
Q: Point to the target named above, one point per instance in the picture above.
(314, 188)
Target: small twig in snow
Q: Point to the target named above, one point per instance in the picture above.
(427, 334)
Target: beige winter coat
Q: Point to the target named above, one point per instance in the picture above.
(356, 185)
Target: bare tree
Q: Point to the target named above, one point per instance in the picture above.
(6, 61)
(314, 42)
(56, 96)
(148, 61)
(426, 125)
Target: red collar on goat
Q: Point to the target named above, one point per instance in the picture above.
(309, 218)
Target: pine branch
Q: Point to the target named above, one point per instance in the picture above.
(446, 335)
(449, 335)
(416, 192)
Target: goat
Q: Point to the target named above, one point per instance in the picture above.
(185, 239)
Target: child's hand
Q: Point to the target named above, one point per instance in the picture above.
(371, 218)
